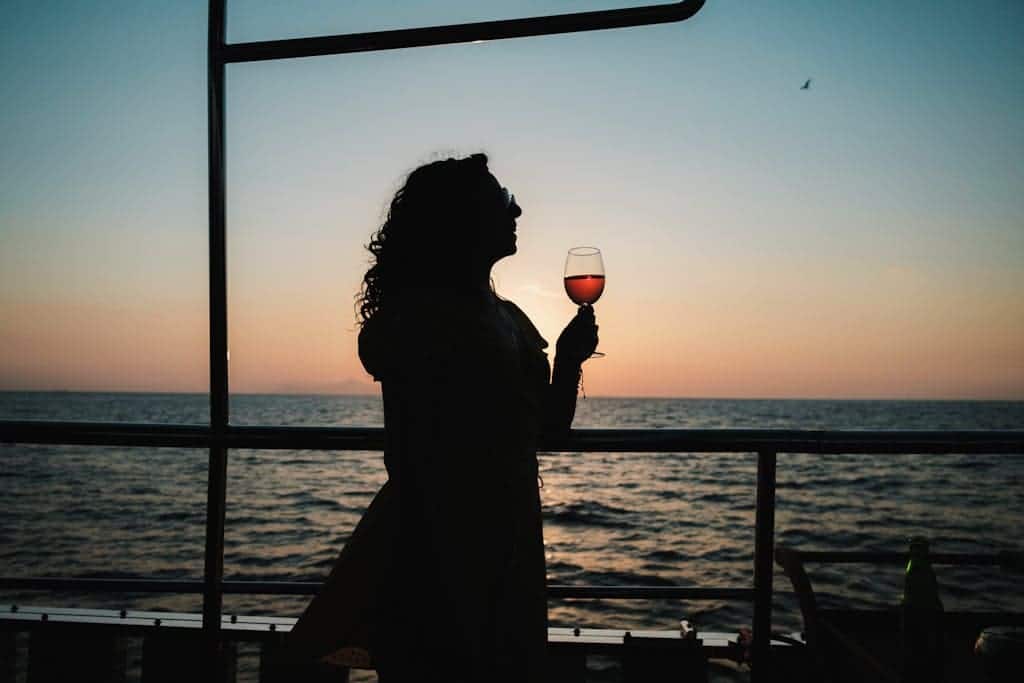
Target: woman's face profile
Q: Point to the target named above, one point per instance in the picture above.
(498, 226)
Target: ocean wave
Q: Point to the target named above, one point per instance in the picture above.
(662, 555)
(623, 578)
(589, 513)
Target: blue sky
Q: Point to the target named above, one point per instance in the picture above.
(861, 238)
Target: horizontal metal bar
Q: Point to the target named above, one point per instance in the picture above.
(990, 560)
(460, 33)
(192, 436)
(793, 441)
(1009, 442)
(250, 628)
(101, 585)
(651, 593)
(272, 587)
(312, 587)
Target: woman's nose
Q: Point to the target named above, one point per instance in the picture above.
(515, 209)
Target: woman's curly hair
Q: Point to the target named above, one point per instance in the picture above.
(431, 227)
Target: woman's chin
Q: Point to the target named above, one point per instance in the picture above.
(505, 251)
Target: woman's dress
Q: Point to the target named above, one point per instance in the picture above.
(444, 576)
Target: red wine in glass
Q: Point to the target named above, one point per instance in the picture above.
(584, 289)
(584, 277)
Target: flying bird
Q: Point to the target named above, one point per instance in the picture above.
(807, 84)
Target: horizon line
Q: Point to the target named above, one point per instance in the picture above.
(596, 397)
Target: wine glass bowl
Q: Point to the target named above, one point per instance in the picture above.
(584, 275)
(584, 278)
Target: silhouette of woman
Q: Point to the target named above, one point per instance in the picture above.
(444, 576)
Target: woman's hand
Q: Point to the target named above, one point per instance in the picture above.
(579, 338)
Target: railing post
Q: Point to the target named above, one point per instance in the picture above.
(764, 550)
(213, 567)
(213, 571)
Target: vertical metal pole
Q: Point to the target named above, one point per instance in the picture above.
(764, 551)
(213, 571)
(218, 242)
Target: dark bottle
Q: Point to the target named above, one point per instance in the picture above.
(921, 627)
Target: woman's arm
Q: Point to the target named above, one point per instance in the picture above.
(560, 402)
(577, 341)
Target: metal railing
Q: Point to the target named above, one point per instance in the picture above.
(766, 443)
(876, 442)
(461, 33)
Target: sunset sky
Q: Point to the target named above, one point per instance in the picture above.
(863, 238)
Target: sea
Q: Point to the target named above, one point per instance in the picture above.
(655, 519)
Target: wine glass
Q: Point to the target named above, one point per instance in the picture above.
(584, 278)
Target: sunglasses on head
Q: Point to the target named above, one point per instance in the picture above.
(508, 197)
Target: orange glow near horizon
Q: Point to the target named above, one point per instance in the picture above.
(741, 343)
